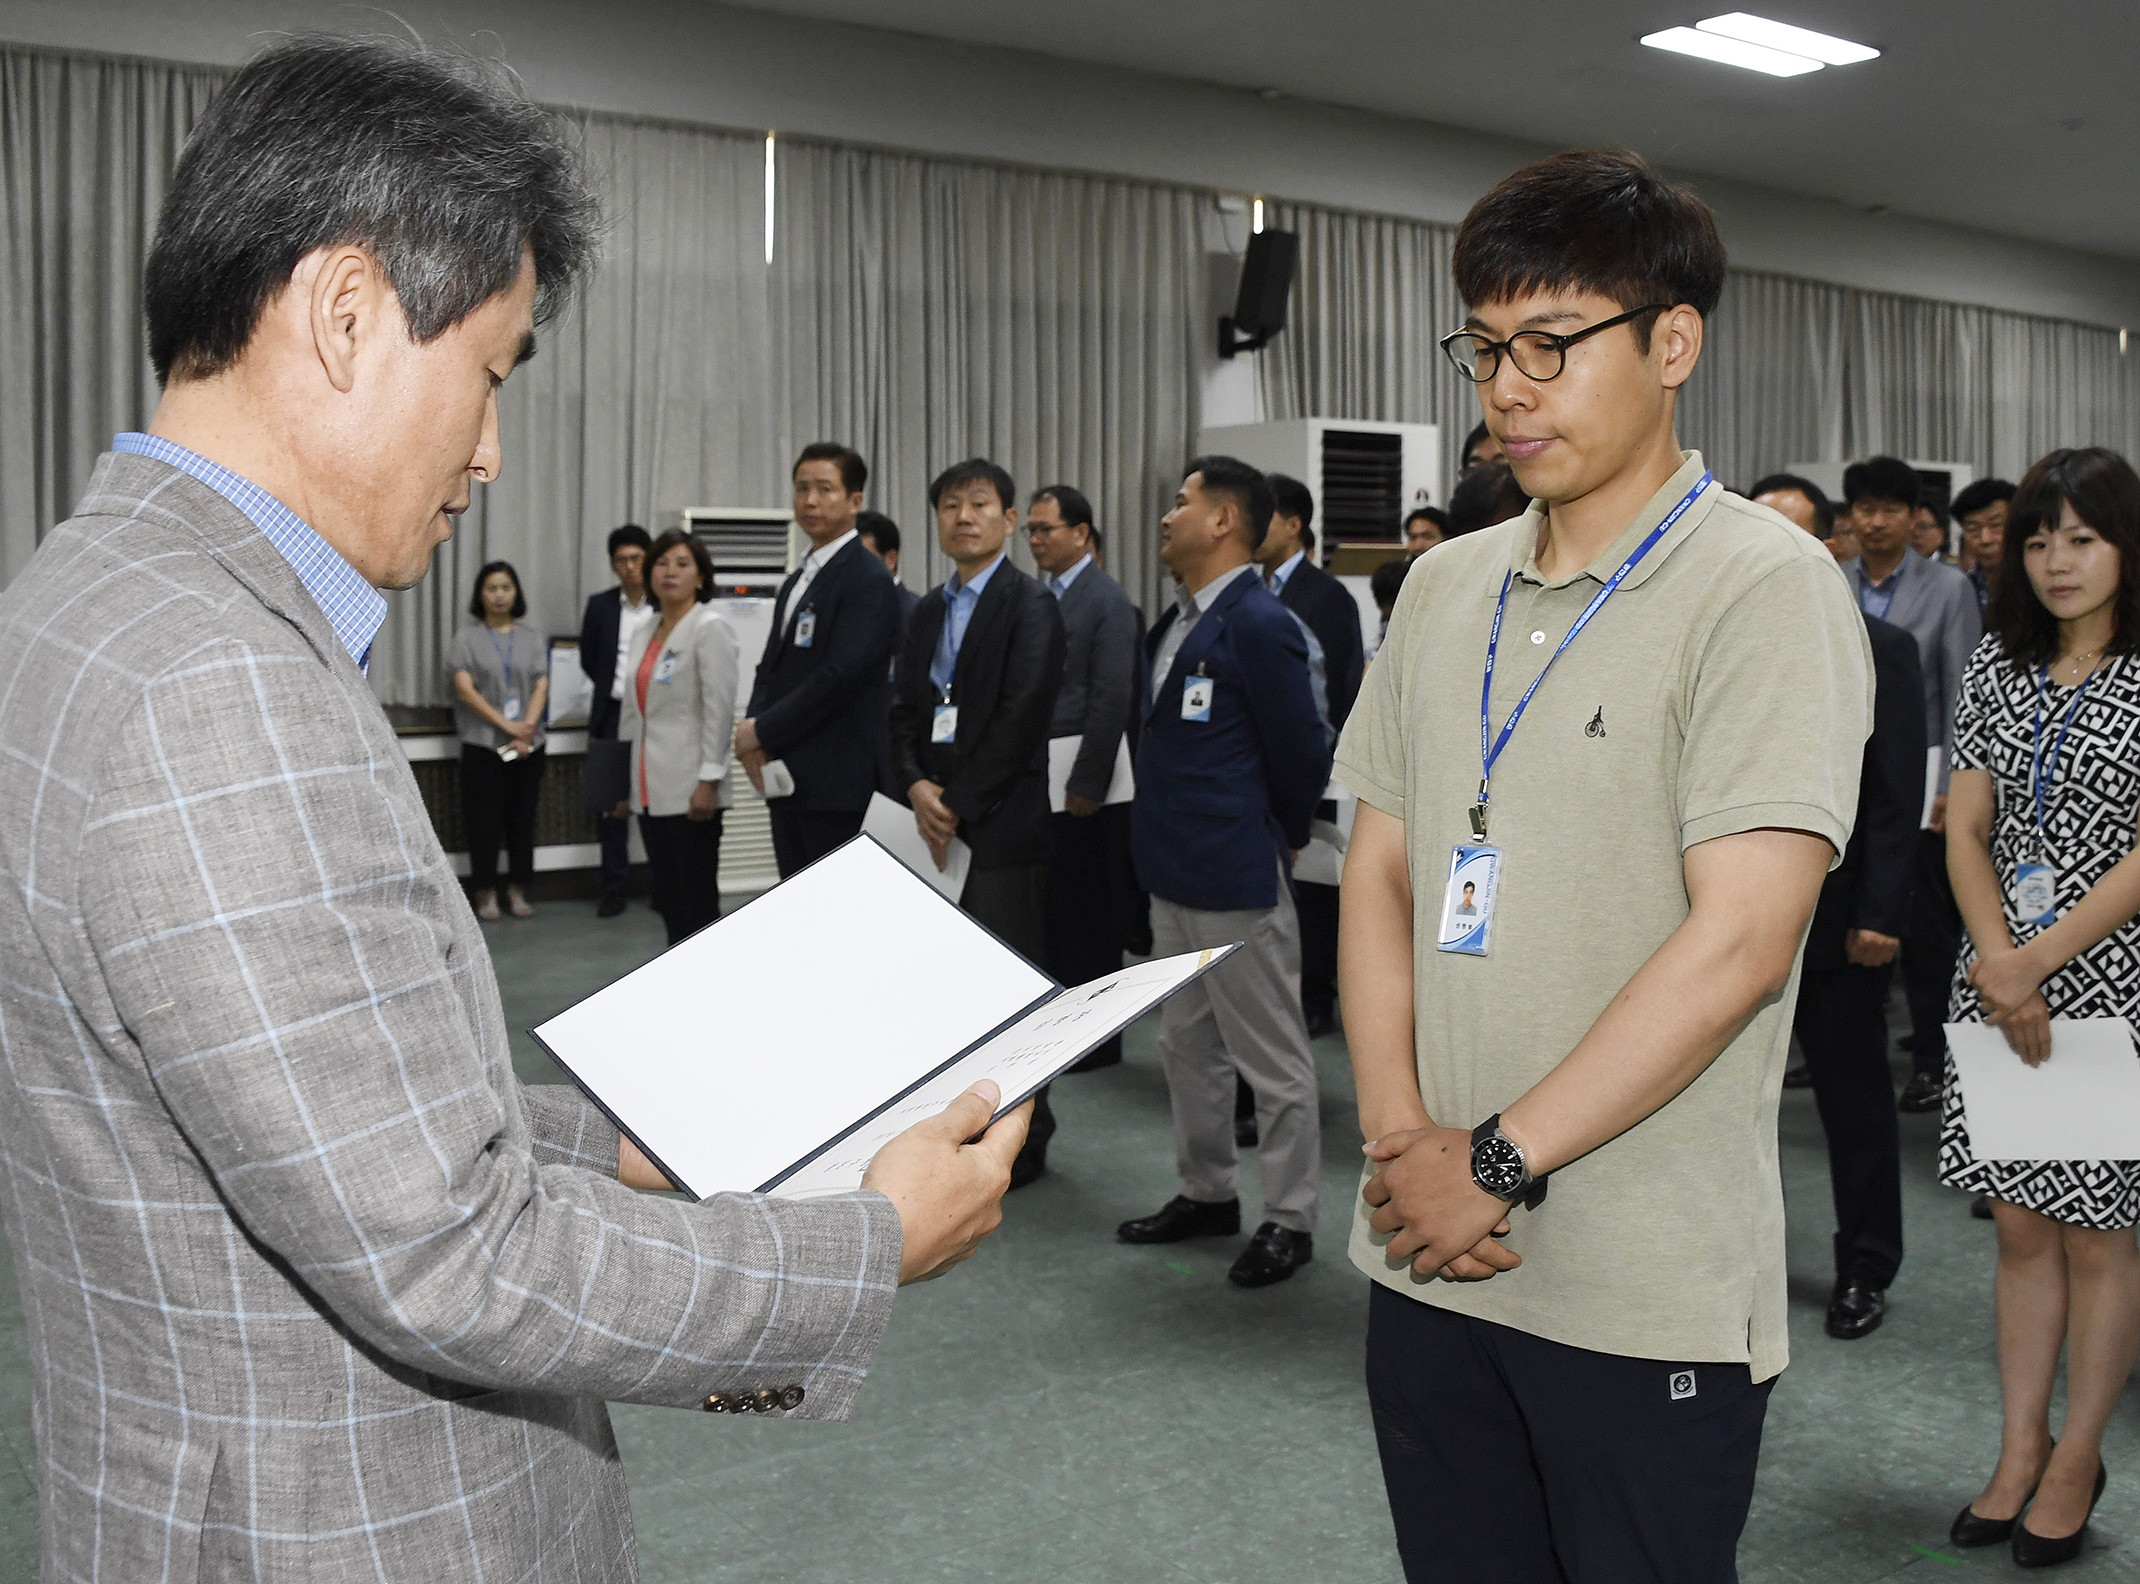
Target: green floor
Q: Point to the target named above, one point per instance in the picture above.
(1065, 1408)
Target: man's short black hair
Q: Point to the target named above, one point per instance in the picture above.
(1823, 507)
(1488, 494)
(1882, 478)
(1431, 514)
(629, 534)
(1595, 220)
(974, 470)
(1386, 581)
(1243, 485)
(1291, 498)
(475, 594)
(1479, 432)
(1071, 502)
(1984, 492)
(854, 472)
(435, 165)
(879, 530)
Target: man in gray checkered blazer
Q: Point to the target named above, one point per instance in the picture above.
(315, 1287)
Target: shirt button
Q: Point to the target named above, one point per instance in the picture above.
(1538, 637)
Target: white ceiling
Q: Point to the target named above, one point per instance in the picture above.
(1986, 113)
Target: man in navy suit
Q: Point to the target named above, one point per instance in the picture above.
(612, 619)
(1287, 557)
(978, 672)
(1231, 762)
(817, 703)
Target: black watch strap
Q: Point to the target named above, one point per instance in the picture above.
(1531, 1191)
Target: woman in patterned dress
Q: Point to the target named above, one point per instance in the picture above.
(2064, 652)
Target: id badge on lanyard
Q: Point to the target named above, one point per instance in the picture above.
(806, 629)
(1475, 866)
(1196, 695)
(2035, 880)
(944, 724)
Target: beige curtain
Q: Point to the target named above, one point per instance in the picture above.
(926, 310)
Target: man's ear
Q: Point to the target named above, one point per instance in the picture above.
(343, 302)
(1678, 336)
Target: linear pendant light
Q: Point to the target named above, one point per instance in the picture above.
(1823, 47)
(1731, 52)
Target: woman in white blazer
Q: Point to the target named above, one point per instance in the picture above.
(679, 716)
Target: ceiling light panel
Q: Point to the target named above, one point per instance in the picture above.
(1731, 52)
(1751, 29)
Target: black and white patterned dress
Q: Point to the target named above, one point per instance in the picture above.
(2091, 809)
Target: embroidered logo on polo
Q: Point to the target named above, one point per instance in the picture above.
(1596, 728)
(1682, 1384)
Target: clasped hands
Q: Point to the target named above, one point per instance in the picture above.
(934, 819)
(2009, 983)
(1422, 1194)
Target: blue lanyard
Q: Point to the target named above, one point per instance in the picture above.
(1489, 746)
(2039, 773)
(505, 655)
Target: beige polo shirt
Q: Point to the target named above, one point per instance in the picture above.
(1727, 686)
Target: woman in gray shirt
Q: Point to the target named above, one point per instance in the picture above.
(500, 670)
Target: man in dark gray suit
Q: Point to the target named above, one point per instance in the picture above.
(1936, 605)
(1092, 888)
(315, 1286)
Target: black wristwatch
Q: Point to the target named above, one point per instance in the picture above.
(1498, 1166)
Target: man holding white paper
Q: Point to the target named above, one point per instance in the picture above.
(978, 672)
(1092, 891)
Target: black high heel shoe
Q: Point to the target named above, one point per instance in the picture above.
(2032, 1550)
(1970, 1529)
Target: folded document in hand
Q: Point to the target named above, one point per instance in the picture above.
(777, 1049)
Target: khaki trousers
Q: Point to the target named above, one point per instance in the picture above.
(1242, 1016)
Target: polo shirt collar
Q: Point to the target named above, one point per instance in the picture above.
(1524, 554)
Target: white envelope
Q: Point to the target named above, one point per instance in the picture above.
(1062, 759)
(892, 823)
(2082, 1104)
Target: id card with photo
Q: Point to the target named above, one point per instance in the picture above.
(806, 629)
(1196, 698)
(1468, 901)
(944, 724)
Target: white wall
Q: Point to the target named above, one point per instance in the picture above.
(697, 61)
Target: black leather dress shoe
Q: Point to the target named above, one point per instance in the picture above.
(1856, 1310)
(1272, 1255)
(1032, 1158)
(609, 907)
(2032, 1550)
(1798, 1077)
(1921, 1093)
(1181, 1218)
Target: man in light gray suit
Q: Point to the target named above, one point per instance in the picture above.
(314, 1286)
(1093, 899)
(1937, 605)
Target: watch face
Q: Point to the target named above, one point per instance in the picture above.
(1497, 1166)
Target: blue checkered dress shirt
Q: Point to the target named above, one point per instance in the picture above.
(353, 608)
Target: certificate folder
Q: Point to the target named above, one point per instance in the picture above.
(773, 1048)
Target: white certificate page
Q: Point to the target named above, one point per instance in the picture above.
(1020, 1059)
(740, 1051)
(2082, 1104)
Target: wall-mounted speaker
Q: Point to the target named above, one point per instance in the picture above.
(1260, 302)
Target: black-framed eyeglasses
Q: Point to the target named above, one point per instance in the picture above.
(1538, 354)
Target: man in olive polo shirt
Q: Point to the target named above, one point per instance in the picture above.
(1570, 1385)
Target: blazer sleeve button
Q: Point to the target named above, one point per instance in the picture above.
(791, 1397)
(765, 1399)
(719, 1402)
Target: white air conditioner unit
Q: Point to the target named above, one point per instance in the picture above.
(1365, 476)
(754, 548)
